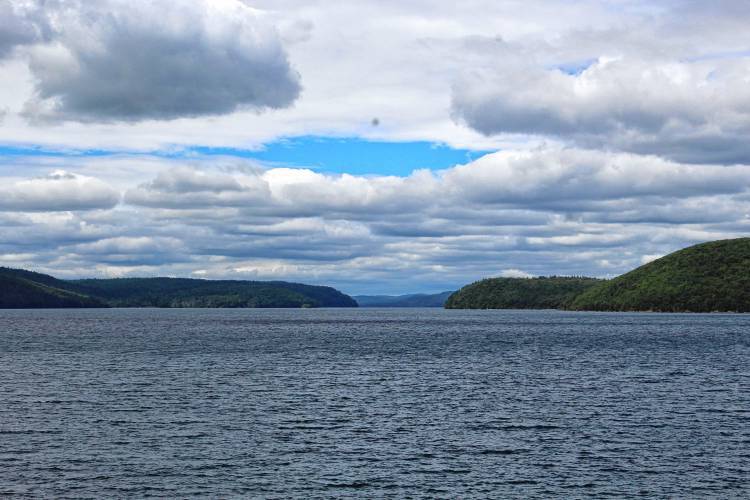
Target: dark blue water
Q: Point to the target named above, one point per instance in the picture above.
(373, 403)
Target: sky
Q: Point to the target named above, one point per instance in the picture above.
(377, 146)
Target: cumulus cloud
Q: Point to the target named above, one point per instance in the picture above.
(58, 191)
(183, 187)
(562, 179)
(118, 60)
(285, 191)
(570, 177)
(689, 111)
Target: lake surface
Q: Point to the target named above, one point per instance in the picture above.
(373, 403)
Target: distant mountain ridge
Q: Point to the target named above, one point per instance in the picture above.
(409, 300)
(26, 289)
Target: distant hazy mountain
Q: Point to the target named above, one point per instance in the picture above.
(412, 300)
(25, 289)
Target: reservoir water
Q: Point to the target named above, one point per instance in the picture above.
(373, 403)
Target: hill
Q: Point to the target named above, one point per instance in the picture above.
(411, 300)
(26, 289)
(520, 293)
(708, 277)
(184, 292)
(21, 289)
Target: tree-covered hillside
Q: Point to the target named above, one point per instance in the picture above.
(26, 289)
(708, 277)
(520, 293)
(21, 289)
(182, 292)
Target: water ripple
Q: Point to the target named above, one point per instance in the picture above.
(373, 403)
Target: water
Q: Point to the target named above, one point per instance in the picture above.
(373, 403)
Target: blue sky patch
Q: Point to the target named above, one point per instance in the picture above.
(324, 154)
(575, 68)
(353, 155)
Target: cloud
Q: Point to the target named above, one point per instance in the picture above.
(136, 60)
(544, 211)
(645, 259)
(132, 250)
(620, 129)
(689, 111)
(183, 187)
(505, 189)
(514, 273)
(18, 25)
(58, 191)
(552, 178)
(362, 59)
(569, 177)
(284, 191)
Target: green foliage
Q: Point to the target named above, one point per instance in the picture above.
(703, 278)
(520, 293)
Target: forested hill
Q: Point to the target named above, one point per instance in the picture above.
(26, 289)
(708, 277)
(183, 292)
(520, 293)
(21, 289)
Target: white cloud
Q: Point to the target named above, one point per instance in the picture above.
(645, 259)
(693, 111)
(565, 180)
(58, 191)
(514, 273)
(556, 177)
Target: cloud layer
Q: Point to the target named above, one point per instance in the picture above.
(545, 211)
(620, 131)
